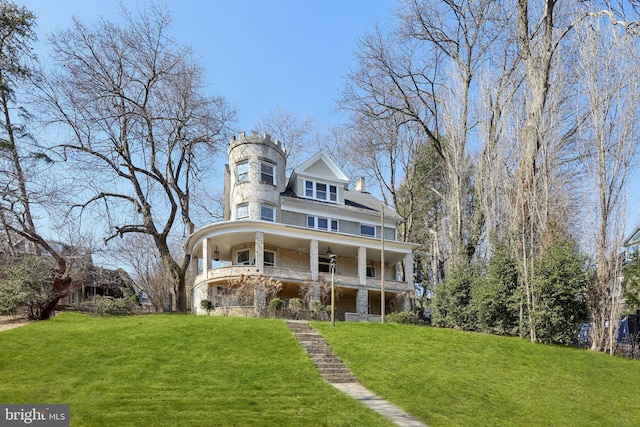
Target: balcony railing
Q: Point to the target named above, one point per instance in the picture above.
(287, 274)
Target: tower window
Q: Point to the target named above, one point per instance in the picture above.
(267, 174)
(267, 213)
(242, 171)
(242, 211)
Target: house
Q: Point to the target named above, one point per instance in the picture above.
(290, 229)
(88, 281)
(631, 246)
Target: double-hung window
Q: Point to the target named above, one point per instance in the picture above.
(267, 213)
(333, 193)
(320, 223)
(267, 173)
(320, 191)
(367, 230)
(308, 189)
(242, 211)
(242, 171)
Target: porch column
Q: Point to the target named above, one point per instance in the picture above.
(313, 267)
(362, 299)
(313, 259)
(259, 252)
(206, 259)
(408, 278)
(259, 294)
(194, 265)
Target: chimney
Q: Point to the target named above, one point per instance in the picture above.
(360, 186)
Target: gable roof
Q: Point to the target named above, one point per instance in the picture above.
(364, 200)
(320, 166)
(634, 238)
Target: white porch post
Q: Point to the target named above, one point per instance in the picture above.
(259, 252)
(313, 267)
(206, 258)
(259, 294)
(194, 265)
(408, 278)
(313, 259)
(362, 299)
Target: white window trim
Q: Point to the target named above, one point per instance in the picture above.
(248, 173)
(273, 211)
(238, 252)
(274, 258)
(273, 172)
(368, 235)
(241, 206)
(316, 220)
(314, 191)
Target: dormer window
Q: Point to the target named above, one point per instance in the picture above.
(320, 191)
(267, 173)
(333, 193)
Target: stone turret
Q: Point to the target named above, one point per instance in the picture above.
(256, 177)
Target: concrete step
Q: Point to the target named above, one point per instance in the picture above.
(317, 351)
(340, 379)
(328, 364)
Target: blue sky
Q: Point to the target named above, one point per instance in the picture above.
(263, 54)
(259, 54)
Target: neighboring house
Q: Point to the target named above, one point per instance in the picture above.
(96, 282)
(287, 229)
(87, 280)
(631, 246)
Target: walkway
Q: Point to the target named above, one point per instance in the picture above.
(335, 372)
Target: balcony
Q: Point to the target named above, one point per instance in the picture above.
(293, 275)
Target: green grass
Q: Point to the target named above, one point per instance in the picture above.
(171, 370)
(453, 378)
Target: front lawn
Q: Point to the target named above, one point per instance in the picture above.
(452, 378)
(171, 370)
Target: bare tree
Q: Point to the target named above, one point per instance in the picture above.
(20, 157)
(137, 253)
(248, 290)
(424, 74)
(540, 30)
(295, 134)
(609, 137)
(139, 124)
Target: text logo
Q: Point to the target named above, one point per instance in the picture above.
(34, 415)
